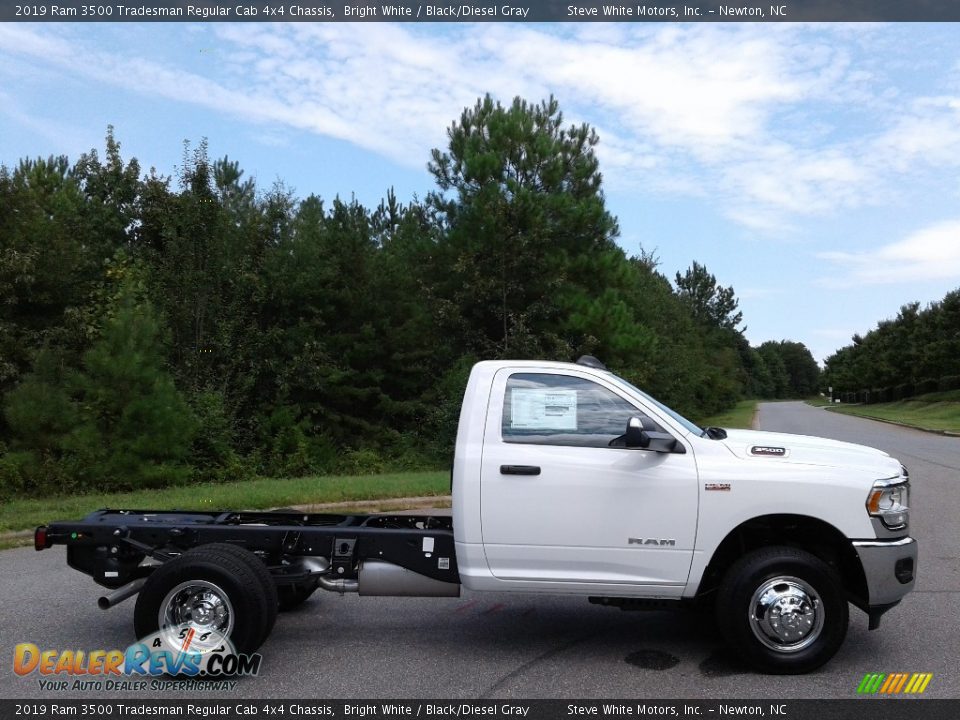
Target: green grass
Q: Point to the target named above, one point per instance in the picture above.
(740, 416)
(817, 401)
(27, 513)
(935, 411)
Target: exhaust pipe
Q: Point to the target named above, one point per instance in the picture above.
(340, 586)
(105, 602)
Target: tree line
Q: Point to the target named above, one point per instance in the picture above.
(158, 330)
(915, 353)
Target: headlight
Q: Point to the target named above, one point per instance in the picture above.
(889, 500)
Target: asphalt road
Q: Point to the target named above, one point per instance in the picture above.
(525, 646)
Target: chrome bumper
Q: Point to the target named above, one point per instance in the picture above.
(890, 568)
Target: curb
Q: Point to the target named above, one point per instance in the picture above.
(374, 506)
(933, 431)
(15, 539)
(384, 505)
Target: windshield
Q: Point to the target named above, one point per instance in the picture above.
(692, 427)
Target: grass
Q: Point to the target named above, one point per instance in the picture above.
(740, 416)
(817, 401)
(27, 513)
(934, 411)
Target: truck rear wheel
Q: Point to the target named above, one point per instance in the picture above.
(784, 609)
(266, 581)
(214, 588)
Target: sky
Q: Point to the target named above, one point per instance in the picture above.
(813, 167)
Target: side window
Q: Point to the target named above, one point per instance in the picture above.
(545, 409)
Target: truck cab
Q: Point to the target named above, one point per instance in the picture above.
(569, 479)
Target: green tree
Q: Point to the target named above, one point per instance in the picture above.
(713, 309)
(135, 428)
(519, 202)
(50, 259)
(40, 413)
(778, 380)
(206, 246)
(791, 369)
(916, 352)
(112, 190)
(322, 316)
(710, 303)
(802, 370)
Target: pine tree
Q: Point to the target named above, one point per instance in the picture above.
(520, 201)
(135, 428)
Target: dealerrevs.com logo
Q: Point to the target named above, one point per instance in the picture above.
(202, 664)
(894, 683)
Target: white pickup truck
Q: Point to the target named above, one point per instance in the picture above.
(566, 479)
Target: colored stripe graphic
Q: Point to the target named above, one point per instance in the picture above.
(894, 683)
(900, 683)
(889, 683)
(921, 682)
(870, 683)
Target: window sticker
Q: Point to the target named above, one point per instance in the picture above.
(539, 409)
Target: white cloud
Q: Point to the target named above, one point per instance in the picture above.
(745, 116)
(926, 131)
(932, 253)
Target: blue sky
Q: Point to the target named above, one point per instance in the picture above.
(812, 167)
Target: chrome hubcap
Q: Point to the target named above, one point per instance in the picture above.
(200, 606)
(786, 614)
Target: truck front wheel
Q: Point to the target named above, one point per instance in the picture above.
(784, 609)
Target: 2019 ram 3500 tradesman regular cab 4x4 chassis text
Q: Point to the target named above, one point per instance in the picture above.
(566, 479)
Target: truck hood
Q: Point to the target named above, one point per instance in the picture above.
(809, 450)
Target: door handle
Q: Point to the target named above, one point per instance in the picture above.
(519, 470)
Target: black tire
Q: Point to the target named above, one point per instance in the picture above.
(293, 596)
(236, 576)
(265, 579)
(763, 583)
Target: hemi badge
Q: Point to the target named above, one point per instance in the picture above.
(717, 486)
(769, 451)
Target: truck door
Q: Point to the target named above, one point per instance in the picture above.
(561, 502)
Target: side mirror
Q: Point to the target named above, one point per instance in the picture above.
(641, 433)
(716, 433)
(661, 442)
(634, 434)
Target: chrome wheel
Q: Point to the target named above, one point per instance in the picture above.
(196, 615)
(786, 614)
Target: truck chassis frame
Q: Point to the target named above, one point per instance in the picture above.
(112, 545)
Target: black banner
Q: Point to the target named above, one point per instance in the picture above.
(854, 709)
(481, 11)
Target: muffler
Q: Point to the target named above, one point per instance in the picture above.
(379, 578)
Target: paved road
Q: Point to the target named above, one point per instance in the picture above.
(526, 646)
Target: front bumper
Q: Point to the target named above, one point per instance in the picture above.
(890, 569)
